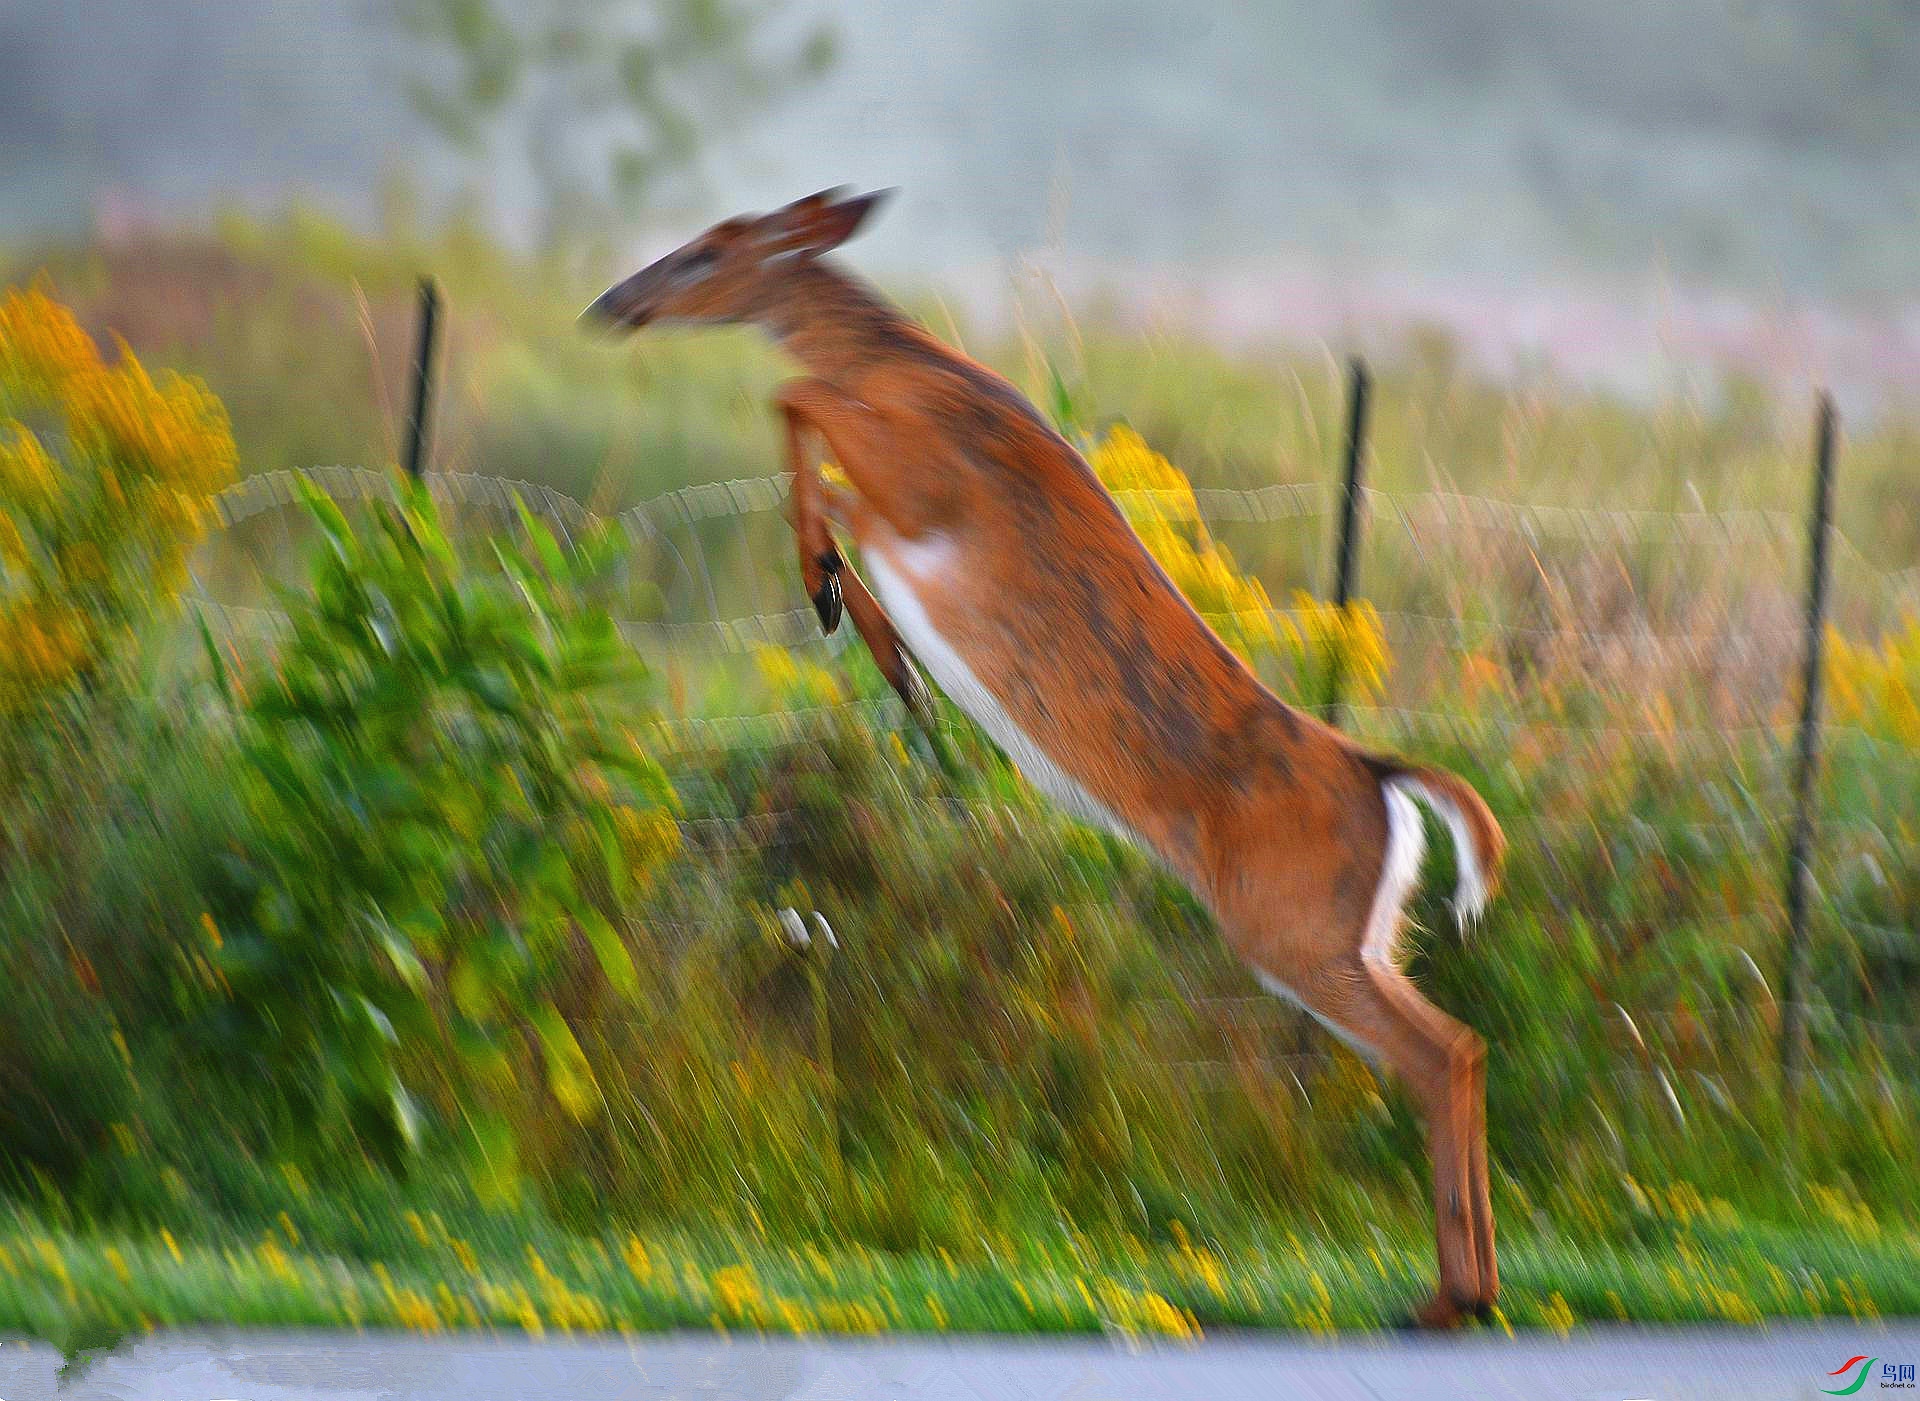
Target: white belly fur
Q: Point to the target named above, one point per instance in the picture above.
(920, 563)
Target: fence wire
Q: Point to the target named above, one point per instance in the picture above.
(1595, 526)
(1420, 515)
(678, 526)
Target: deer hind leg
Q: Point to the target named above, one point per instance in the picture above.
(1478, 1187)
(1374, 1006)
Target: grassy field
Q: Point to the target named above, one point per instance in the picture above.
(86, 1291)
(428, 969)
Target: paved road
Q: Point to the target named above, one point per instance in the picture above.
(1601, 1365)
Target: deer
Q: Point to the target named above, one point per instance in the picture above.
(1002, 566)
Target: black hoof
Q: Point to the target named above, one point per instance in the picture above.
(1482, 1311)
(826, 604)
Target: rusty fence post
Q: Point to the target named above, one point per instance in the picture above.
(416, 459)
(1793, 1022)
(1359, 386)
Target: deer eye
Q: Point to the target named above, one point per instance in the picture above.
(694, 266)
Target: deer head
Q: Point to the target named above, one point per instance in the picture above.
(724, 275)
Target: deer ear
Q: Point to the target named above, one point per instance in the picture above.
(812, 204)
(824, 221)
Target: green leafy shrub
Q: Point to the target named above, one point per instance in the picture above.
(448, 806)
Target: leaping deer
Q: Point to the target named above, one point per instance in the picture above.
(1008, 571)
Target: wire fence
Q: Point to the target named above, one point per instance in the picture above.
(696, 536)
(662, 527)
(1416, 514)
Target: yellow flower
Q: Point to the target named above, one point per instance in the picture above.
(639, 1263)
(1159, 503)
(13, 545)
(737, 1290)
(28, 473)
(1350, 641)
(793, 681)
(174, 431)
(1153, 485)
(97, 519)
(777, 668)
(276, 1260)
(648, 839)
(41, 344)
(1878, 688)
(417, 1226)
(44, 643)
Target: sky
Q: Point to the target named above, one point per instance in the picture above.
(1718, 176)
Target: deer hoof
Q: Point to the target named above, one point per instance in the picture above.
(827, 601)
(1443, 1314)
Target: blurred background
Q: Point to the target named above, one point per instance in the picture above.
(492, 902)
(1705, 180)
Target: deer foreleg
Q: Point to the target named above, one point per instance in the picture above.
(870, 449)
(830, 581)
(820, 563)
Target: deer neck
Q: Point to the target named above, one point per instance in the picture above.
(835, 325)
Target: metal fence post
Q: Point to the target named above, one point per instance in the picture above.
(1358, 386)
(422, 378)
(1793, 1023)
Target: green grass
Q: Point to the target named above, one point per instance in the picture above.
(83, 1289)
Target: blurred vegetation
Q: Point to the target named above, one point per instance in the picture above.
(430, 960)
(449, 805)
(612, 110)
(106, 479)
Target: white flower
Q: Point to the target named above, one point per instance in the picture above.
(826, 930)
(796, 931)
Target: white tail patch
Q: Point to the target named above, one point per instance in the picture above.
(1470, 894)
(1399, 870)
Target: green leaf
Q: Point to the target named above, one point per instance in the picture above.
(327, 515)
(568, 1074)
(406, 1116)
(541, 538)
(479, 1049)
(379, 1021)
(473, 991)
(494, 1158)
(619, 878)
(215, 663)
(492, 687)
(616, 961)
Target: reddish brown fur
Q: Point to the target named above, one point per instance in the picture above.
(1276, 820)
